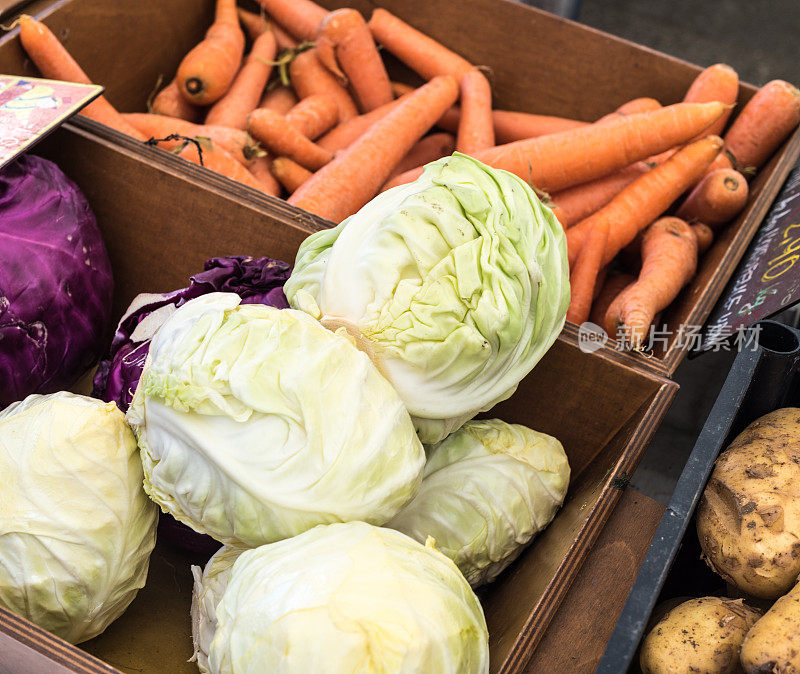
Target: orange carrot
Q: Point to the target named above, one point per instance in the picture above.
(428, 149)
(612, 287)
(580, 201)
(419, 52)
(716, 83)
(718, 198)
(206, 72)
(282, 38)
(55, 62)
(704, 235)
(216, 159)
(281, 99)
(170, 102)
(255, 25)
(261, 170)
(310, 77)
(345, 47)
(346, 134)
(277, 134)
(510, 126)
(314, 115)
(560, 160)
(763, 124)
(300, 17)
(244, 94)
(357, 173)
(646, 198)
(583, 275)
(235, 142)
(631, 108)
(669, 260)
(476, 126)
(289, 173)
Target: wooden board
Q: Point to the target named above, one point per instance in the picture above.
(537, 63)
(577, 636)
(160, 222)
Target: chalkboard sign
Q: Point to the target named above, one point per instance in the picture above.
(767, 279)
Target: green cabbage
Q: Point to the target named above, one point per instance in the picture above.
(256, 424)
(76, 528)
(487, 490)
(457, 282)
(341, 599)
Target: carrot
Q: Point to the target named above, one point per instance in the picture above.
(281, 99)
(346, 134)
(763, 124)
(345, 47)
(476, 125)
(357, 173)
(612, 287)
(419, 52)
(289, 173)
(55, 62)
(510, 126)
(170, 102)
(704, 235)
(216, 159)
(255, 25)
(282, 38)
(261, 170)
(646, 198)
(718, 198)
(631, 108)
(300, 17)
(401, 89)
(428, 149)
(239, 144)
(669, 260)
(314, 115)
(244, 94)
(716, 83)
(583, 275)
(208, 70)
(560, 160)
(282, 138)
(310, 77)
(579, 202)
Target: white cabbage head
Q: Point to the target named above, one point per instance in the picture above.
(488, 489)
(76, 528)
(458, 283)
(341, 599)
(256, 424)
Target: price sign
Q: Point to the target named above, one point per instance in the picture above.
(31, 108)
(767, 279)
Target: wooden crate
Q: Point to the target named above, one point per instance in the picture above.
(160, 223)
(538, 63)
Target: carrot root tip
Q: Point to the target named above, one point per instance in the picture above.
(194, 85)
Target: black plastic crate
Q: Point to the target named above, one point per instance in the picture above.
(765, 376)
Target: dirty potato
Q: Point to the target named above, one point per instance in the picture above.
(773, 643)
(748, 520)
(700, 635)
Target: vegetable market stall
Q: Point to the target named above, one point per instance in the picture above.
(155, 244)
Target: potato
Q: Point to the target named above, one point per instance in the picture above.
(748, 519)
(773, 643)
(700, 635)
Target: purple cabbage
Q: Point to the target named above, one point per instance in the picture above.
(55, 281)
(255, 280)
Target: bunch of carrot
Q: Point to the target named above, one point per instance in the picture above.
(308, 111)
